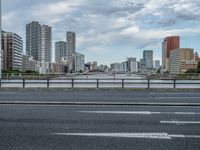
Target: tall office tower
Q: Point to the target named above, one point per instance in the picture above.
(71, 43)
(46, 49)
(12, 46)
(179, 58)
(169, 44)
(39, 41)
(60, 50)
(71, 50)
(33, 40)
(148, 58)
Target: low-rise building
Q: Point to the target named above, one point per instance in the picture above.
(187, 65)
(178, 56)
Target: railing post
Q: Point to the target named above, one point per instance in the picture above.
(72, 83)
(47, 82)
(174, 83)
(122, 83)
(97, 83)
(24, 82)
(148, 83)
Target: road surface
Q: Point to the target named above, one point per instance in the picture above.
(99, 127)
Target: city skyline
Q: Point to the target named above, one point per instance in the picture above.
(112, 32)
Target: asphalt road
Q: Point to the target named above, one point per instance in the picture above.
(100, 96)
(43, 127)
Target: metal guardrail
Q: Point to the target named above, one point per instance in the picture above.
(100, 83)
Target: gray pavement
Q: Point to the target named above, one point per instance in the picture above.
(84, 127)
(100, 96)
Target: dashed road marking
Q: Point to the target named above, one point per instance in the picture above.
(180, 122)
(164, 136)
(140, 112)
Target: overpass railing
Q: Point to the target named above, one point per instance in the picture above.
(100, 83)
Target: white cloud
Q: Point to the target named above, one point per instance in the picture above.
(102, 25)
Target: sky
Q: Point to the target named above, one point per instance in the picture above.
(109, 31)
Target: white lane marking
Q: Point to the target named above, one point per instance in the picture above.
(140, 112)
(177, 97)
(185, 136)
(7, 92)
(169, 93)
(131, 135)
(180, 122)
(118, 112)
(121, 135)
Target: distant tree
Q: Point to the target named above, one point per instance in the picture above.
(11, 71)
(198, 68)
(191, 71)
(30, 71)
(158, 71)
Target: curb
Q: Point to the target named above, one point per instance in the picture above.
(96, 103)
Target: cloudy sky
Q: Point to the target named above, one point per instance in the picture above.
(110, 30)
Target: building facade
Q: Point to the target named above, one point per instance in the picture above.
(12, 48)
(148, 58)
(116, 67)
(177, 57)
(79, 62)
(39, 41)
(60, 50)
(46, 49)
(71, 49)
(33, 40)
(71, 43)
(169, 44)
(157, 64)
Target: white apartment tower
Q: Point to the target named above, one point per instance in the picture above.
(39, 41)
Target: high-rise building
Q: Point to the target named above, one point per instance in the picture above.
(148, 58)
(157, 64)
(33, 40)
(169, 44)
(179, 58)
(71, 49)
(71, 43)
(60, 50)
(39, 41)
(12, 46)
(46, 50)
(79, 62)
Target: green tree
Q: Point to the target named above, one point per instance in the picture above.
(198, 68)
